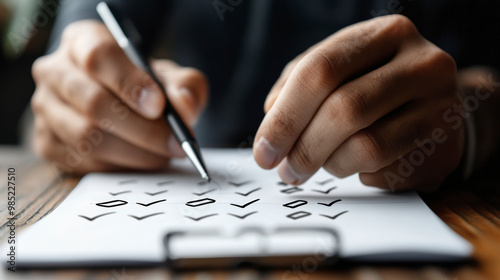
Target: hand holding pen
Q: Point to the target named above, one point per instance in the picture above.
(125, 34)
(96, 111)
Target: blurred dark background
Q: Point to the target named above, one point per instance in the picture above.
(467, 29)
(24, 28)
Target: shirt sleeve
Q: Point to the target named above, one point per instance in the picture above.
(148, 17)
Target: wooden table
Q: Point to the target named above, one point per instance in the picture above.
(471, 209)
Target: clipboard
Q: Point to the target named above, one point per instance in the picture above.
(252, 246)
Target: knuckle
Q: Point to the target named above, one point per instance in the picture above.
(282, 123)
(349, 107)
(316, 71)
(301, 156)
(96, 52)
(198, 80)
(70, 32)
(402, 25)
(39, 67)
(195, 75)
(444, 64)
(368, 151)
(37, 102)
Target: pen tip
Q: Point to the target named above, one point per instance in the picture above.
(207, 178)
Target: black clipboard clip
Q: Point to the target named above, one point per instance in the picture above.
(251, 246)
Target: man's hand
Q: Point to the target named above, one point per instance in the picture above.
(365, 99)
(96, 111)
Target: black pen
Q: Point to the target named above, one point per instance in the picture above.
(118, 24)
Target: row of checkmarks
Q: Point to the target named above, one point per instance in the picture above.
(195, 193)
(293, 216)
(235, 184)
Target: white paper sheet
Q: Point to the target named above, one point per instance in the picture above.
(123, 218)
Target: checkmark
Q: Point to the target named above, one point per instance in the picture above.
(165, 183)
(245, 205)
(156, 193)
(147, 216)
(202, 217)
(329, 204)
(98, 216)
(239, 184)
(203, 193)
(127, 182)
(325, 192)
(248, 193)
(151, 203)
(118, 193)
(324, 182)
(242, 217)
(333, 217)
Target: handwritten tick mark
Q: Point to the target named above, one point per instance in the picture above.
(248, 193)
(244, 216)
(245, 205)
(98, 216)
(334, 216)
(165, 183)
(155, 193)
(147, 216)
(204, 193)
(151, 203)
(118, 193)
(325, 192)
(321, 183)
(236, 184)
(127, 182)
(329, 204)
(202, 217)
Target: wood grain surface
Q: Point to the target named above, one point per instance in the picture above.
(472, 209)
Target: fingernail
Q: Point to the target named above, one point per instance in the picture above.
(268, 155)
(288, 175)
(174, 147)
(150, 103)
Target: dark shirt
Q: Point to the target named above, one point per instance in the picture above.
(243, 45)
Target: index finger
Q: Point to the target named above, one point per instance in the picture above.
(96, 51)
(342, 56)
